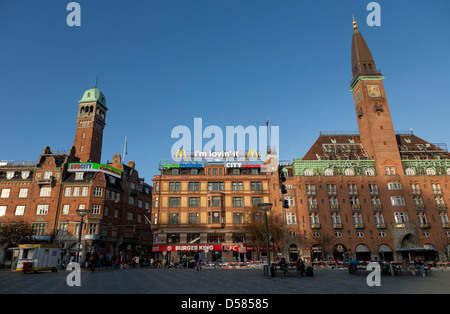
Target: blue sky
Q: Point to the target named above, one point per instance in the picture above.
(231, 62)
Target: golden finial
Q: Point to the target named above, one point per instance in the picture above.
(354, 23)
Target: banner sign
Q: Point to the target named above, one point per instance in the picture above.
(209, 247)
(94, 167)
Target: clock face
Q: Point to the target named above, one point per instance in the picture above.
(358, 96)
(373, 90)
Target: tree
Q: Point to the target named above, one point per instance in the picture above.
(15, 233)
(254, 229)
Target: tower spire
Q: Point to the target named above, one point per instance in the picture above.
(96, 81)
(355, 26)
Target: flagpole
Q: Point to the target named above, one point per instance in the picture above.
(124, 150)
(268, 130)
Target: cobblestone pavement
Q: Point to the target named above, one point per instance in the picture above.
(218, 281)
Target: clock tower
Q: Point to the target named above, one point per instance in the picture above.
(376, 129)
(90, 124)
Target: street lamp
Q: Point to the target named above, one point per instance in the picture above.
(265, 207)
(81, 213)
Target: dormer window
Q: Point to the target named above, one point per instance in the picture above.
(9, 175)
(79, 175)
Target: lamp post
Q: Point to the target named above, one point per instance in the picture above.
(81, 213)
(265, 207)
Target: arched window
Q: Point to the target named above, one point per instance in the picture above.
(349, 172)
(410, 172)
(308, 172)
(430, 172)
(328, 172)
(369, 172)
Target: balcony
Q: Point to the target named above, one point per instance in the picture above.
(425, 225)
(313, 207)
(359, 225)
(48, 181)
(441, 206)
(337, 226)
(334, 207)
(377, 207)
(373, 192)
(356, 207)
(315, 226)
(438, 192)
(310, 192)
(381, 225)
(446, 225)
(420, 206)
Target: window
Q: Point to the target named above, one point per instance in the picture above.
(331, 188)
(42, 210)
(418, 200)
(215, 186)
(352, 189)
(93, 228)
(238, 218)
(147, 204)
(333, 201)
(130, 200)
(379, 219)
(357, 218)
(173, 218)
(66, 208)
(23, 192)
(216, 201)
(336, 219)
(328, 172)
(5, 193)
(415, 188)
(67, 191)
(236, 186)
(140, 203)
(98, 191)
(314, 218)
(436, 188)
(84, 191)
(255, 186)
(193, 201)
(291, 219)
(375, 200)
(194, 218)
(308, 172)
(394, 186)
(422, 217)
(400, 217)
(369, 172)
(79, 175)
(439, 200)
(194, 171)
(256, 201)
(9, 175)
(95, 209)
(20, 209)
(312, 201)
(443, 217)
(3, 210)
(410, 172)
(214, 217)
(310, 189)
(174, 172)
(373, 188)
(390, 170)
(76, 191)
(194, 186)
(290, 200)
(349, 172)
(397, 201)
(174, 202)
(354, 201)
(48, 174)
(174, 186)
(430, 172)
(129, 216)
(106, 211)
(237, 202)
(45, 192)
(38, 228)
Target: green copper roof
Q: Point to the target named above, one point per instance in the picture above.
(93, 95)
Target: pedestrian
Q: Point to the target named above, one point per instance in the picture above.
(418, 264)
(196, 259)
(92, 262)
(300, 266)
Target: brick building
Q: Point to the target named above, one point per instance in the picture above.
(198, 205)
(372, 194)
(48, 193)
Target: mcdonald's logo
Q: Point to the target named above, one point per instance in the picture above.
(181, 152)
(253, 151)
